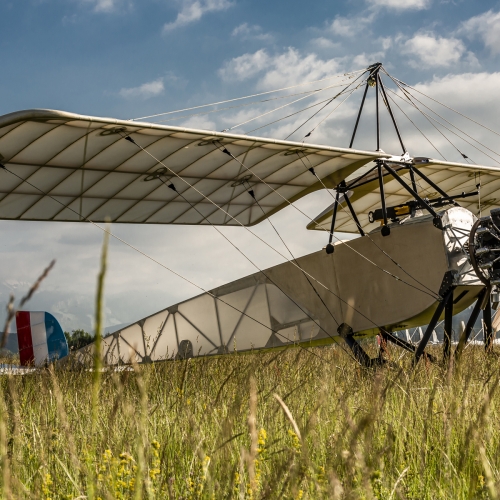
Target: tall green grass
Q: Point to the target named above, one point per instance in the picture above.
(297, 424)
(214, 428)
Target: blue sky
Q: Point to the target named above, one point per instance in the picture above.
(79, 55)
(131, 58)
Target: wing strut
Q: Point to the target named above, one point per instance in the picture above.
(329, 247)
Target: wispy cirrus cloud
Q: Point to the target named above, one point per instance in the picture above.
(192, 11)
(144, 91)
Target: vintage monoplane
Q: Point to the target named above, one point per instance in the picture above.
(422, 254)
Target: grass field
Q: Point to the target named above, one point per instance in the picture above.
(213, 428)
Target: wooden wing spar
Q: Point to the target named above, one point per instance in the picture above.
(68, 167)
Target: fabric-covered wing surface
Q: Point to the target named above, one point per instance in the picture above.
(453, 178)
(87, 165)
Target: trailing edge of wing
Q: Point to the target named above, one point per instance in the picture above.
(85, 164)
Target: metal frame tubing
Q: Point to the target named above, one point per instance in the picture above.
(382, 193)
(406, 345)
(430, 328)
(334, 215)
(487, 327)
(470, 324)
(355, 184)
(377, 110)
(353, 213)
(410, 190)
(412, 177)
(379, 80)
(448, 322)
(434, 185)
(361, 357)
(359, 116)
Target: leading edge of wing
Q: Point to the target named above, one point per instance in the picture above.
(50, 114)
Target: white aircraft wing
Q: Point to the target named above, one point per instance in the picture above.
(67, 167)
(452, 178)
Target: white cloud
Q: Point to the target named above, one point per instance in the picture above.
(348, 27)
(401, 4)
(144, 91)
(248, 32)
(486, 27)
(291, 68)
(193, 11)
(284, 69)
(363, 60)
(434, 51)
(472, 93)
(386, 42)
(199, 122)
(325, 43)
(244, 67)
(103, 5)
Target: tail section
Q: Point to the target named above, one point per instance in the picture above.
(40, 338)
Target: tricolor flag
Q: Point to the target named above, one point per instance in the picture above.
(40, 338)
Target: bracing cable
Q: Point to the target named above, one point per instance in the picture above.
(281, 107)
(415, 125)
(444, 105)
(249, 96)
(329, 114)
(454, 126)
(429, 119)
(240, 105)
(218, 207)
(328, 101)
(333, 98)
(321, 109)
(267, 244)
(305, 275)
(172, 186)
(410, 98)
(187, 280)
(369, 237)
(337, 238)
(287, 116)
(252, 194)
(397, 278)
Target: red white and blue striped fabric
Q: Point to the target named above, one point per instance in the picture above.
(40, 338)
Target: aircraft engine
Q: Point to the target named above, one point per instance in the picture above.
(484, 248)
